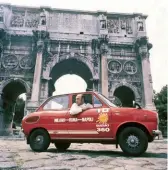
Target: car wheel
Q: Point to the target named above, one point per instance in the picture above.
(62, 146)
(133, 141)
(39, 140)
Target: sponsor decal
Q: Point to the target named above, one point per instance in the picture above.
(83, 119)
(103, 129)
(102, 125)
(102, 121)
(59, 120)
(102, 118)
(103, 110)
(73, 119)
(87, 119)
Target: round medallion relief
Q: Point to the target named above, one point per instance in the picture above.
(130, 67)
(26, 63)
(114, 66)
(10, 61)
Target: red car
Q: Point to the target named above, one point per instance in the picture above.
(131, 128)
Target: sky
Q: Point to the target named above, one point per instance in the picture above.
(157, 31)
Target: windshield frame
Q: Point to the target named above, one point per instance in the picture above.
(106, 100)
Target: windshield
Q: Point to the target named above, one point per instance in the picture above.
(106, 100)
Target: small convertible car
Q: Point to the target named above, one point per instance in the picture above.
(130, 128)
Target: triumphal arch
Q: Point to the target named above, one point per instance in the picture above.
(110, 51)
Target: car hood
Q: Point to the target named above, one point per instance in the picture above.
(128, 110)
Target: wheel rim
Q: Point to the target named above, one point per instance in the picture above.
(133, 141)
(39, 139)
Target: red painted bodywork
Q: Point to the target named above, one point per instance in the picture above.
(117, 117)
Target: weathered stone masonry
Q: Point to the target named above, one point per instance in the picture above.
(110, 51)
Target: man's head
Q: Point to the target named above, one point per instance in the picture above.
(79, 99)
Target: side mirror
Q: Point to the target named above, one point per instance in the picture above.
(136, 105)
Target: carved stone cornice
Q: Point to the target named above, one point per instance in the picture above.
(66, 41)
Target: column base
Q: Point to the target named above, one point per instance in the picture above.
(150, 107)
(6, 132)
(31, 106)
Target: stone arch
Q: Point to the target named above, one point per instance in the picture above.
(11, 89)
(133, 88)
(56, 60)
(70, 66)
(6, 82)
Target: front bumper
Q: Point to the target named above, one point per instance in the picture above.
(156, 132)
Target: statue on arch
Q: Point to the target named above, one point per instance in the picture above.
(103, 22)
(43, 20)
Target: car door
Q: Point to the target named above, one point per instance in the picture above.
(54, 116)
(88, 123)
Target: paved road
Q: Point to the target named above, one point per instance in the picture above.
(17, 155)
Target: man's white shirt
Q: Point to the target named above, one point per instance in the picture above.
(75, 109)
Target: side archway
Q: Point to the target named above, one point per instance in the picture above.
(10, 90)
(126, 93)
(6, 82)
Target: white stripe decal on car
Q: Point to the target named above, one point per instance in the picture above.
(72, 132)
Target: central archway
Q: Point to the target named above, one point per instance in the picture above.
(70, 66)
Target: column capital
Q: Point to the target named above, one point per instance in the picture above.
(103, 44)
(40, 35)
(142, 47)
(40, 38)
(40, 46)
(141, 42)
(100, 44)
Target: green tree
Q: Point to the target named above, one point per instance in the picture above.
(160, 100)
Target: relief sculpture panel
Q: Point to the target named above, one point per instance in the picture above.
(126, 24)
(113, 25)
(26, 63)
(10, 61)
(17, 19)
(114, 66)
(130, 67)
(32, 20)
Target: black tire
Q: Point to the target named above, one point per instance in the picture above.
(39, 146)
(62, 146)
(133, 141)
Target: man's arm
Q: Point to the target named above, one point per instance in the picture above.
(75, 109)
(87, 106)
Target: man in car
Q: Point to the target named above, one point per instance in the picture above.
(79, 106)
